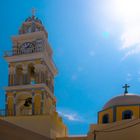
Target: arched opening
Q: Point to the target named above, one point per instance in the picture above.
(19, 75)
(127, 114)
(105, 118)
(24, 104)
(31, 74)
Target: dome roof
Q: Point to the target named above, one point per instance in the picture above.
(31, 24)
(127, 99)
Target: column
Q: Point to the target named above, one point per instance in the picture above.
(25, 72)
(42, 77)
(39, 77)
(6, 105)
(48, 81)
(14, 103)
(42, 101)
(44, 73)
(37, 70)
(45, 77)
(11, 79)
(52, 85)
(33, 94)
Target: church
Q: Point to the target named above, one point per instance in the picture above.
(30, 104)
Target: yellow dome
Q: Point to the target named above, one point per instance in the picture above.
(128, 99)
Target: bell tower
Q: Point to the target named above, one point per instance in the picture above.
(30, 89)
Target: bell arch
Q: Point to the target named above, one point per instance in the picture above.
(31, 74)
(19, 75)
(24, 104)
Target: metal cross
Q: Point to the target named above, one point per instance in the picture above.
(33, 11)
(126, 86)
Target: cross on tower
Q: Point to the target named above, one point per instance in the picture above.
(33, 11)
(126, 86)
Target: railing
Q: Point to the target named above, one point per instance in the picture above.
(22, 51)
(51, 87)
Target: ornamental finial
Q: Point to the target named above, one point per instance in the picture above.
(33, 11)
(126, 86)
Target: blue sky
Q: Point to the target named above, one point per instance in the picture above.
(96, 49)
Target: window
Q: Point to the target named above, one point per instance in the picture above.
(105, 118)
(127, 114)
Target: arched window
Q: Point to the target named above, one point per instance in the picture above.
(105, 118)
(19, 75)
(31, 74)
(127, 114)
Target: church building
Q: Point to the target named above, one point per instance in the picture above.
(30, 103)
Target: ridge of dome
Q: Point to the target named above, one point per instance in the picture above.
(122, 99)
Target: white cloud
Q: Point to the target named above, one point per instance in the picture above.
(128, 12)
(130, 39)
(132, 51)
(70, 116)
(131, 36)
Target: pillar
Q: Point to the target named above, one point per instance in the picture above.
(14, 103)
(33, 110)
(40, 70)
(42, 101)
(25, 74)
(6, 105)
(37, 69)
(11, 80)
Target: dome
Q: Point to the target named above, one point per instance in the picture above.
(128, 99)
(31, 24)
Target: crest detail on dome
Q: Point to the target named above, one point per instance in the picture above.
(31, 24)
(33, 19)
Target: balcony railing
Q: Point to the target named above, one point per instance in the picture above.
(22, 51)
(51, 87)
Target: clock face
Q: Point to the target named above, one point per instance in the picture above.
(27, 45)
